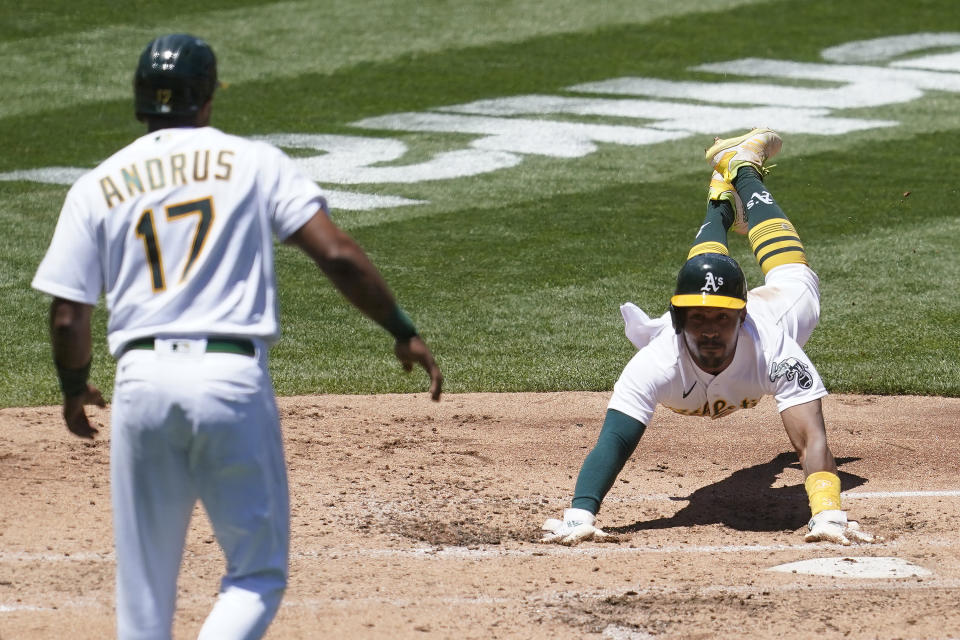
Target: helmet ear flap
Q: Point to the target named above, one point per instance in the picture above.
(676, 315)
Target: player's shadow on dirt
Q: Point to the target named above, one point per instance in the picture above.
(747, 501)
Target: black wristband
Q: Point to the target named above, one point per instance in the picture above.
(399, 325)
(73, 382)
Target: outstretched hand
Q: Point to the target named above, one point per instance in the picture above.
(76, 417)
(416, 351)
(577, 526)
(833, 526)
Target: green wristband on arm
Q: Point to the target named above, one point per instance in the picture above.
(73, 382)
(399, 325)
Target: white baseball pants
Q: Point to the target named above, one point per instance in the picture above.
(191, 425)
(790, 298)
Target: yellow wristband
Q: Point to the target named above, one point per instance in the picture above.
(823, 489)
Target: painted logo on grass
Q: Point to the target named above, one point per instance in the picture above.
(861, 75)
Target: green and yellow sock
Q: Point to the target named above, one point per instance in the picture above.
(772, 237)
(712, 237)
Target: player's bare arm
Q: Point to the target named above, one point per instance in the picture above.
(70, 335)
(808, 435)
(349, 268)
(807, 432)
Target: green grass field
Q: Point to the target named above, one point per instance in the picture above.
(515, 275)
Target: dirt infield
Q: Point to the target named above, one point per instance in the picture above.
(419, 520)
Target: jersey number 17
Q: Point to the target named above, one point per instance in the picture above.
(146, 230)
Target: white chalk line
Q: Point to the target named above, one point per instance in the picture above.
(902, 494)
(4, 608)
(305, 603)
(480, 552)
(851, 495)
(30, 556)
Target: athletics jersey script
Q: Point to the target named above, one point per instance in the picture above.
(767, 362)
(177, 230)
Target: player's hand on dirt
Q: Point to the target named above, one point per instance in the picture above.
(416, 351)
(76, 417)
(576, 527)
(833, 526)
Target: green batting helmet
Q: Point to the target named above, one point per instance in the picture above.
(708, 280)
(175, 76)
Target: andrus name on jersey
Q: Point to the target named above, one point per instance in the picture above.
(170, 171)
(717, 409)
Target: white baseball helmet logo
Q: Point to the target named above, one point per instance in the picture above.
(711, 284)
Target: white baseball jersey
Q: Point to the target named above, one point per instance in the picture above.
(768, 360)
(176, 229)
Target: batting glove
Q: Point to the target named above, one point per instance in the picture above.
(576, 526)
(833, 526)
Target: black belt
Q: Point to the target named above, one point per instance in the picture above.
(239, 346)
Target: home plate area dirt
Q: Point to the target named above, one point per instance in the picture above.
(413, 519)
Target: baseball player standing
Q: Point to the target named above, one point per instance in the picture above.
(727, 347)
(177, 230)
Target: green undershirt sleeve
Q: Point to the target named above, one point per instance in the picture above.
(617, 441)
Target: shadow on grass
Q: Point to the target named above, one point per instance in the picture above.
(747, 501)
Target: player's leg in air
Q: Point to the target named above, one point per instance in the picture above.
(724, 211)
(790, 296)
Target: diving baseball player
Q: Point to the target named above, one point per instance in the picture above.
(721, 348)
(177, 230)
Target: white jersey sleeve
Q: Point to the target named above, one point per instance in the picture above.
(294, 198)
(648, 378)
(792, 377)
(71, 268)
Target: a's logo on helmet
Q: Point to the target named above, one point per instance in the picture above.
(164, 96)
(711, 284)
